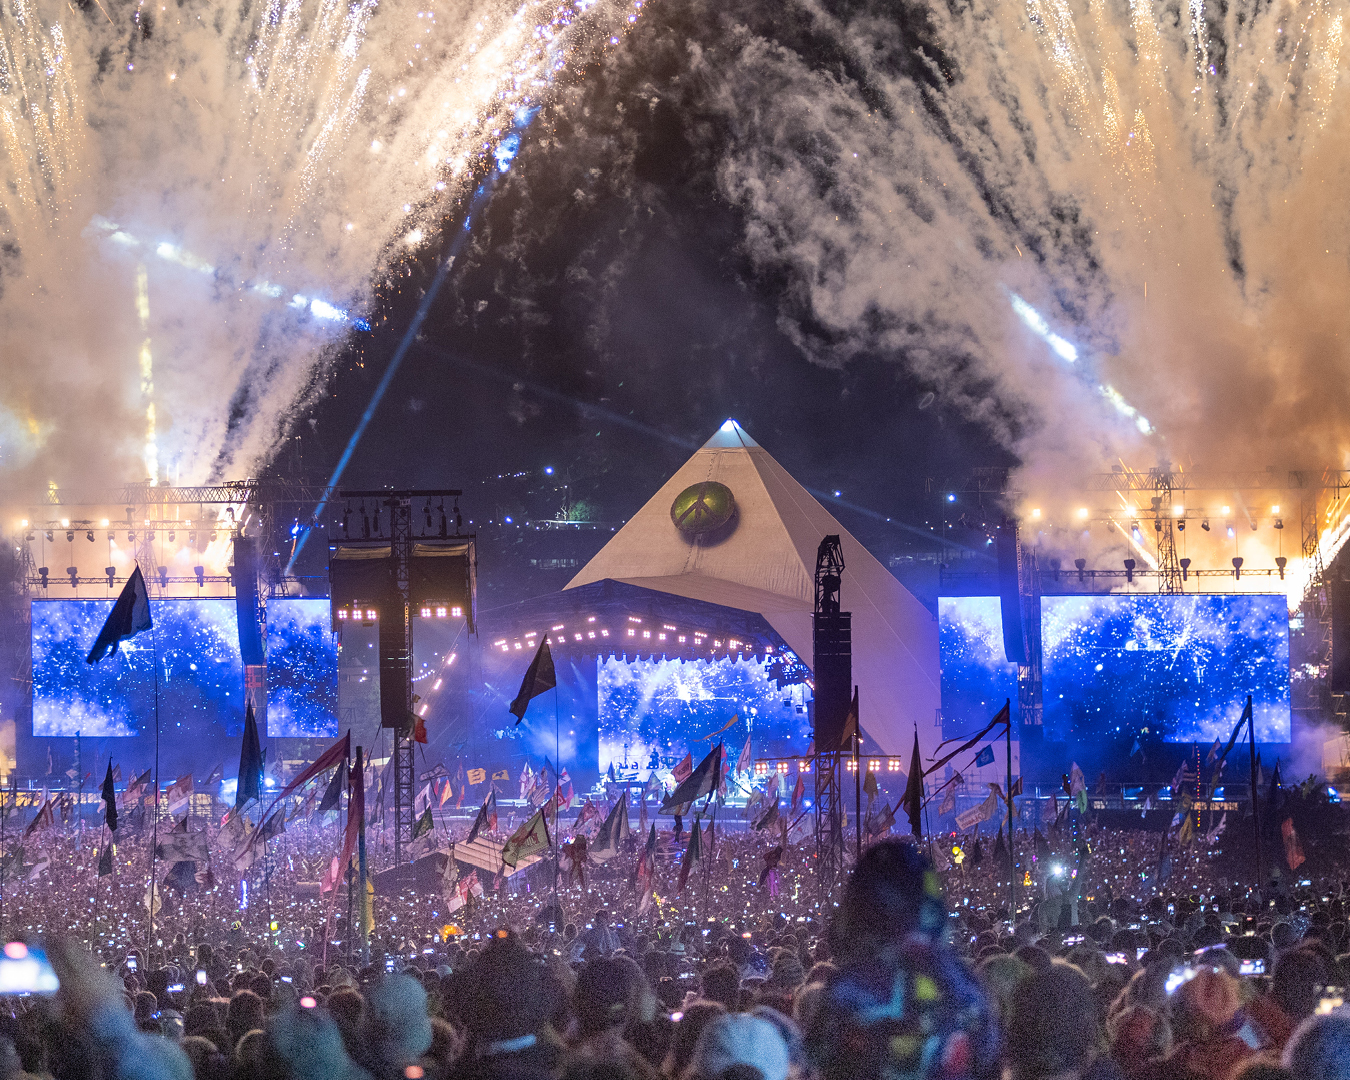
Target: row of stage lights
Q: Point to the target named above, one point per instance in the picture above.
(667, 634)
(112, 535)
(1083, 514)
(1081, 566)
(370, 615)
(110, 572)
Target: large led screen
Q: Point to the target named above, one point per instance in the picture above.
(201, 676)
(301, 670)
(1179, 666)
(976, 678)
(673, 707)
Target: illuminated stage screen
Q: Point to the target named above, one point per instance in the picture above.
(201, 675)
(301, 670)
(1180, 666)
(976, 678)
(670, 706)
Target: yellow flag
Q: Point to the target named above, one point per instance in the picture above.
(477, 776)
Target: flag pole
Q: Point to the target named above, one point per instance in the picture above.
(154, 828)
(1012, 864)
(557, 787)
(857, 782)
(1256, 802)
(361, 862)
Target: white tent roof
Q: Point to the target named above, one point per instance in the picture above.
(767, 565)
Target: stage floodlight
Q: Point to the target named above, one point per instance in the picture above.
(1205, 524)
(1080, 563)
(70, 536)
(150, 535)
(1253, 526)
(28, 537)
(1229, 529)
(200, 571)
(50, 537)
(42, 573)
(111, 573)
(1237, 566)
(1181, 526)
(1185, 569)
(1227, 510)
(1157, 525)
(1129, 569)
(171, 536)
(1281, 562)
(163, 577)
(73, 573)
(65, 523)
(89, 536)
(1279, 523)
(111, 535)
(131, 538)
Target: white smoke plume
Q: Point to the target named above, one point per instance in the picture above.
(1162, 185)
(197, 201)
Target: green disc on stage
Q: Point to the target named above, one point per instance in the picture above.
(703, 508)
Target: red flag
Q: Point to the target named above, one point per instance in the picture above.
(683, 769)
(339, 751)
(1293, 850)
(797, 793)
(693, 852)
(419, 730)
(356, 810)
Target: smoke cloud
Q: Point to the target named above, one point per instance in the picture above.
(198, 201)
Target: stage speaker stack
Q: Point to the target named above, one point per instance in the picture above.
(833, 670)
(1340, 636)
(441, 575)
(1009, 551)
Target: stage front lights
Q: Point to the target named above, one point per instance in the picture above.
(1279, 523)
(171, 536)
(70, 536)
(89, 536)
(50, 537)
(131, 538)
(1205, 524)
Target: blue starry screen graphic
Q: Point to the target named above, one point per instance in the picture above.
(302, 700)
(1177, 668)
(201, 675)
(976, 678)
(672, 707)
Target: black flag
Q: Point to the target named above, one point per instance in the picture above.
(538, 678)
(702, 781)
(110, 799)
(129, 616)
(333, 791)
(105, 863)
(250, 761)
(913, 799)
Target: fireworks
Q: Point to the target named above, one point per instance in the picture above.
(197, 203)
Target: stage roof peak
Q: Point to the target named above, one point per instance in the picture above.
(757, 551)
(730, 436)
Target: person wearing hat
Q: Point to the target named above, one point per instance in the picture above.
(739, 1039)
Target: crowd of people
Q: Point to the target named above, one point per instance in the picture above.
(1074, 959)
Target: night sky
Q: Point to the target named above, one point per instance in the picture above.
(604, 321)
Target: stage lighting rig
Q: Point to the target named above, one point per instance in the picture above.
(70, 536)
(131, 538)
(1185, 569)
(1237, 566)
(200, 571)
(163, 577)
(111, 573)
(73, 573)
(89, 536)
(1081, 564)
(1129, 570)
(42, 573)
(1205, 524)
(1281, 562)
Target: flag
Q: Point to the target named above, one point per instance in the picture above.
(1213, 752)
(797, 792)
(476, 776)
(1136, 749)
(109, 801)
(1293, 850)
(913, 797)
(612, 833)
(129, 616)
(539, 677)
(681, 771)
(851, 721)
(712, 735)
(105, 860)
(693, 852)
(744, 763)
(338, 752)
(976, 814)
(530, 839)
(642, 870)
(1000, 851)
(526, 780)
(501, 774)
(215, 776)
(182, 847)
(446, 792)
(136, 787)
(883, 822)
(1016, 789)
(702, 781)
(356, 812)
(419, 729)
(1179, 779)
(273, 826)
(480, 823)
(179, 795)
(333, 792)
(770, 817)
(986, 756)
(948, 801)
(39, 867)
(1276, 787)
(1245, 718)
(41, 820)
(1077, 781)
(250, 761)
(1003, 716)
(870, 785)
